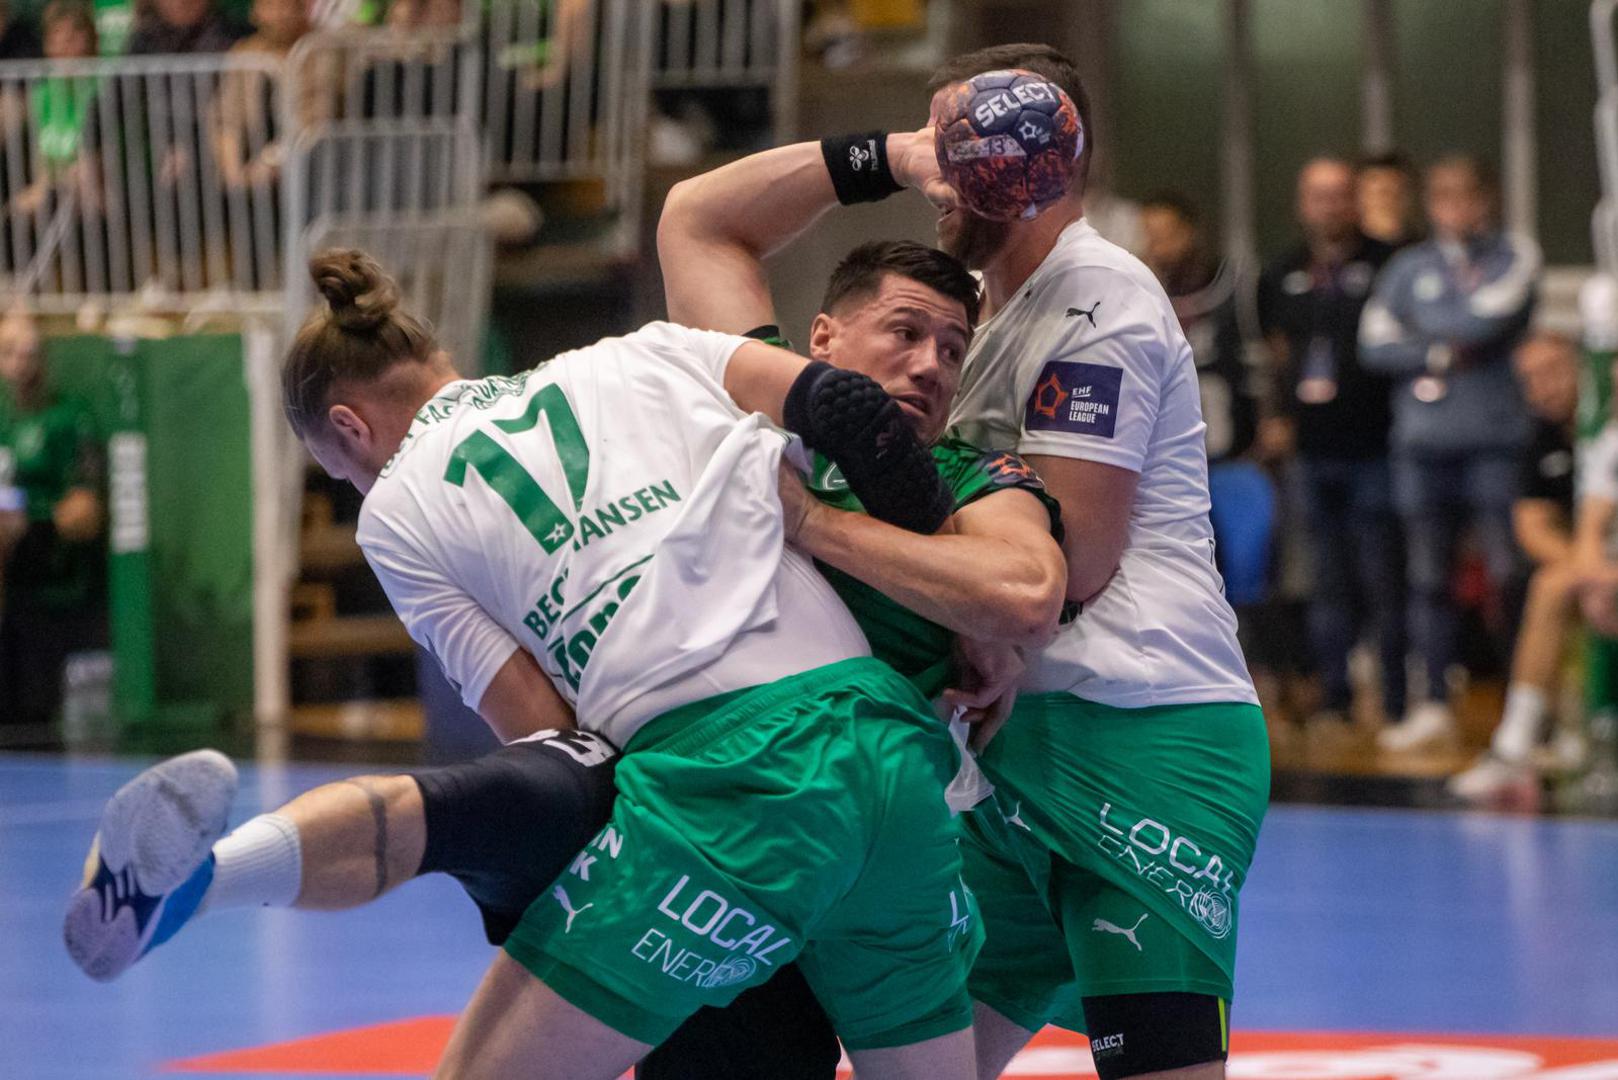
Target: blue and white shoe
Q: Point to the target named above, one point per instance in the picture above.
(151, 862)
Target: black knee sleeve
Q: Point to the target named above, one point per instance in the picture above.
(776, 1031)
(1134, 1034)
(507, 825)
(852, 420)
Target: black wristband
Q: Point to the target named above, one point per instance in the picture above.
(859, 167)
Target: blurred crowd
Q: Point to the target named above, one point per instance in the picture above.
(1391, 443)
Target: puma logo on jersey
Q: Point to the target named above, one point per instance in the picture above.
(1102, 926)
(567, 906)
(1015, 818)
(1074, 313)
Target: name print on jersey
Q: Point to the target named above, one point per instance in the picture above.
(1075, 397)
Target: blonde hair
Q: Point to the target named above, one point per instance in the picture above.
(357, 336)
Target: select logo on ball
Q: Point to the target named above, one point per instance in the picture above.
(1006, 142)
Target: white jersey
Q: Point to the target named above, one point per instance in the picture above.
(1087, 361)
(614, 513)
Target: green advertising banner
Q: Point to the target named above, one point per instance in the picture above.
(180, 503)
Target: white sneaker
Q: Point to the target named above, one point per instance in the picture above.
(150, 863)
(1490, 779)
(1429, 724)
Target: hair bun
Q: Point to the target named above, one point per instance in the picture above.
(361, 294)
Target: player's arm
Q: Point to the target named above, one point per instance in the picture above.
(1096, 499)
(996, 574)
(852, 420)
(492, 672)
(1091, 398)
(717, 228)
(521, 700)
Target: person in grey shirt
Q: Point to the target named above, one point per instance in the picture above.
(1443, 320)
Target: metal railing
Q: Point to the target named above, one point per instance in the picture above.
(139, 176)
(709, 44)
(1604, 223)
(387, 155)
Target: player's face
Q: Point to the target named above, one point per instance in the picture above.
(972, 239)
(908, 337)
(335, 451)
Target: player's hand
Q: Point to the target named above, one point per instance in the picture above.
(797, 506)
(913, 160)
(989, 673)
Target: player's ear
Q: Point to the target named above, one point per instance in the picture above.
(821, 333)
(349, 426)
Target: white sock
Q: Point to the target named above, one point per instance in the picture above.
(257, 865)
(1519, 727)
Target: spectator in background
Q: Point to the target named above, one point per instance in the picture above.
(1334, 413)
(1385, 189)
(54, 561)
(1204, 295)
(247, 140)
(1444, 321)
(65, 119)
(17, 39)
(166, 27)
(1548, 371)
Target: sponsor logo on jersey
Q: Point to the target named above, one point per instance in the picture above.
(1075, 397)
(750, 943)
(1105, 926)
(1074, 313)
(1199, 880)
(1006, 469)
(961, 906)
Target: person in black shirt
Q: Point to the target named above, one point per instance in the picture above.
(1335, 415)
(1385, 188)
(1547, 368)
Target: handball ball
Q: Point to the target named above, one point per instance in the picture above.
(1006, 142)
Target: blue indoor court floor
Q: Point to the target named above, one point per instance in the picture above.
(1405, 945)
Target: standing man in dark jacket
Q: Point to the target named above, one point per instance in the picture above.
(1445, 318)
(1336, 413)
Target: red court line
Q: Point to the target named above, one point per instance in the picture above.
(411, 1048)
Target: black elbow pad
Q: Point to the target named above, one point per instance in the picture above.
(852, 420)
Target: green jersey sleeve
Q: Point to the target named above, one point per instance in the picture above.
(916, 647)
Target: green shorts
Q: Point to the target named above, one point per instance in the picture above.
(1112, 856)
(803, 820)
